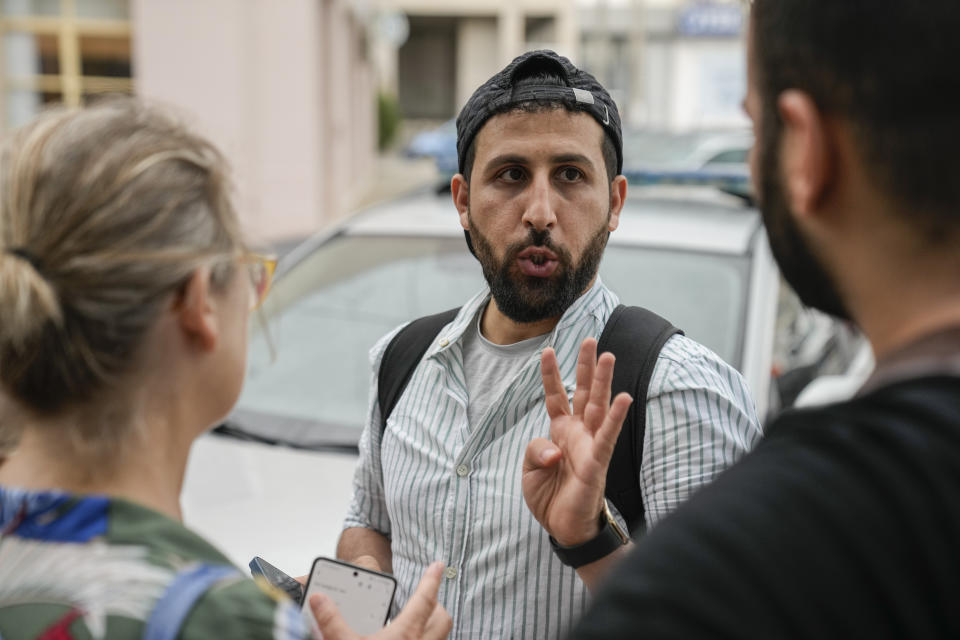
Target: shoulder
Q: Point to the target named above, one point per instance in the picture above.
(828, 501)
(686, 364)
(919, 417)
(739, 552)
(241, 608)
(380, 346)
(682, 351)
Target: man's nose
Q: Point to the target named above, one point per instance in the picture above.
(539, 212)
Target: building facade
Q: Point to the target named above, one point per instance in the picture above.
(452, 46)
(676, 65)
(286, 89)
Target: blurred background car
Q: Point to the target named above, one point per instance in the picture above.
(652, 150)
(697, 256)
(435, 142)
(702, 157)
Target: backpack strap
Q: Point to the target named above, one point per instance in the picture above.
(635, 336)
(402, 356)
(176, 603)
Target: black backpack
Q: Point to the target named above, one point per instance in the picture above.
(633, 334)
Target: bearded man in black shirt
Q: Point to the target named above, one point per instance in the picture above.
(845, 521)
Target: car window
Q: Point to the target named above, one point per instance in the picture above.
(324, 315)
(704, 294)
(331, 308)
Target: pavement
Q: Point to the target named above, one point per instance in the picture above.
(395, 175)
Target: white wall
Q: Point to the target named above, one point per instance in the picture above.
(708, 83)
(256, 77)
(477, 55)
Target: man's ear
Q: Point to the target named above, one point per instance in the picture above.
(618, 196)
(195, 308)
(806, 156)
(460, 191)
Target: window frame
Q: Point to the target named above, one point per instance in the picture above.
(70, 83)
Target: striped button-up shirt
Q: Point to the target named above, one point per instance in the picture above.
(442, 489)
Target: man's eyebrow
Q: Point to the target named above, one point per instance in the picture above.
(563, 158)
(574, 158)
(506, 158)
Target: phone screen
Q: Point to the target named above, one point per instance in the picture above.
(362, 596)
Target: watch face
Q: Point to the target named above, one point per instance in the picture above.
(623, 535)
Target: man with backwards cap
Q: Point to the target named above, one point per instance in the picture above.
(538, 193)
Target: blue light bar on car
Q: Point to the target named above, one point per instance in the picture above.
(733, 181)
(725, 179)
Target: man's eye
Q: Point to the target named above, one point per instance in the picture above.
(570, 174)
(513, 174)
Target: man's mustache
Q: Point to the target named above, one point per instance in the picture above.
(536, 238)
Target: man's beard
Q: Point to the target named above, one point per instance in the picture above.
(798, 264)
(524, 298)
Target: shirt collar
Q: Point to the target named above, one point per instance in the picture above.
(597, 302)
(937, 353)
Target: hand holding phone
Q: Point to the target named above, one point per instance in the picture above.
(362, 595)
(422, 618)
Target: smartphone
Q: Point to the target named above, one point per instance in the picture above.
(260, 567)
(363, 596)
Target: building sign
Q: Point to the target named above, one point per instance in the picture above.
(710, 20)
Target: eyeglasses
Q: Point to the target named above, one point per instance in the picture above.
(261, 268)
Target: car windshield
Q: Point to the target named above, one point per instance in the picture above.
(308, 374)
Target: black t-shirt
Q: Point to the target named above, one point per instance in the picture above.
(844, 522)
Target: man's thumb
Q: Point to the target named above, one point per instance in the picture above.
(329, 621)
(541, 453)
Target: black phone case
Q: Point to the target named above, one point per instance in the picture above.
(279, 579)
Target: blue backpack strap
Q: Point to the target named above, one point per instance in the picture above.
(179, 598)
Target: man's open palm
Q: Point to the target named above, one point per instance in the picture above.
(564, 477)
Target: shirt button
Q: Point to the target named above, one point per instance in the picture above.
(451, 573)
(444, 342)
(463, 470)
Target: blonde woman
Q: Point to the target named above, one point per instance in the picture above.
(125, 289)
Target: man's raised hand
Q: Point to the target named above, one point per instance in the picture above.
(564, 477)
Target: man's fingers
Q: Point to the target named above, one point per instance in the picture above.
(439, 624)
(598, 404)
(586, 365)
(606, 437)
(423, 601)
(540, 453)
(329, 621)
(555, 393)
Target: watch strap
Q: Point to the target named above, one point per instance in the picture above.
(603, 544)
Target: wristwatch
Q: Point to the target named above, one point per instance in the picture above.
(610, 538)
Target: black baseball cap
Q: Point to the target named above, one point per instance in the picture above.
(580, 91)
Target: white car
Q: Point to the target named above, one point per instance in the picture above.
(651, 150)
(696, 256)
